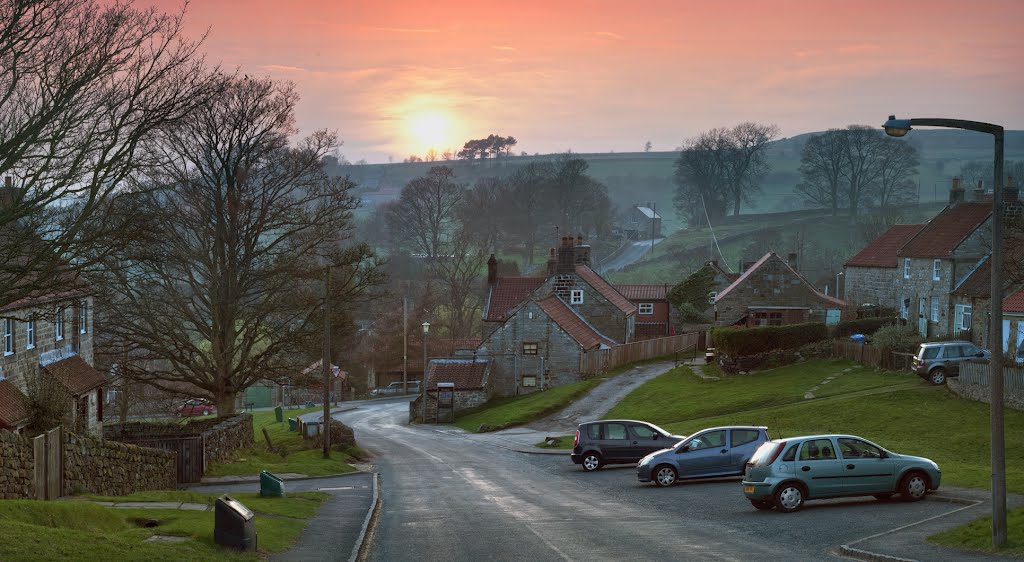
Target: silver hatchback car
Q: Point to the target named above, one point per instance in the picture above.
(716, 451)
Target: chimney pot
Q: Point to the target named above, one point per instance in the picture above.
(492, 270)
(579, 239)
(956, 193)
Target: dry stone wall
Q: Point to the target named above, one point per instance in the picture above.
(226, 437)
(115, 469)
(17, 466)
(982, 393)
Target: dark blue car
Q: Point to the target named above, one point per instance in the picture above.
(716, 451)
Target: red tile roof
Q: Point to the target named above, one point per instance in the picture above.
(507, 293)
(946, 231)
(643, 292)
(1014, 303)
(881, 252)
(467, 374)
(77, 376)
(12, 405)
(573, 323)
(607, 291)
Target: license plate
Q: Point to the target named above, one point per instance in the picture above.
(748, 489)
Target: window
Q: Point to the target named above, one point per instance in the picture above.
(529, 380)
(744, 436)
(790, 454)
(576, 296)
(906, 268)
(712, 296)
(529, 348)
(707, 440)
(768, 319)
(857, 449)
(58, 325)
(935, 309)
(936, 269)
(817, 450)
(904, 308)
(615, 431)
(83, 317)
(30, 334)
(931, 352)
(646, 308)
(966, 324)
(594, 431)
(643, 432)
(8, 336)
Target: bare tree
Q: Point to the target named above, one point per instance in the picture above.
(581, 202)
(821, 170)
(479, 210)
(526, 204)
(458, 274)
(222, 282)
(699, 178)
(745, 161)
(84, 86)
(424, 217)
(897, 165)
(864, 148)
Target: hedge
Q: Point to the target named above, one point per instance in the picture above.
(750, 341)
(866, 326)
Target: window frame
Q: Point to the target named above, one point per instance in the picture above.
(648, 306)
(967, 317)
(904, 308)
(30, 333)
(530, 348)
(936, 270)
(935, 308)
(58, 325)
(83, 317)
(8, 336)
(576, 296)
(906, 268)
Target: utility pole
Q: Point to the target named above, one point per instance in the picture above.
(654, 212)
(405, 347)
(325, 426)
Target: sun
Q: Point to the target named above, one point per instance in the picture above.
(430, 129)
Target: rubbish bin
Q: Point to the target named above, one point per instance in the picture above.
(293, 425)
(271, 485)
(234, 524)
(279, 414)
(857, 338)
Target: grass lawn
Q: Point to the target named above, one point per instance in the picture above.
(300, 456)
(81, 530)
(977, 535)
(507, 412)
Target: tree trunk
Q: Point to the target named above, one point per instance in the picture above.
(226, 404)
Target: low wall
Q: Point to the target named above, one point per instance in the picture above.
(17, 467)
(463, 400)
(980, 393)
(115, 469)
(226, 437)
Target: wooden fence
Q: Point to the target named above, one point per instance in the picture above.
(600, 360)
(978, 373)
(871, 355)
(191, 464)
(48, 450)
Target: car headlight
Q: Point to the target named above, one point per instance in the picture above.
(645, 460)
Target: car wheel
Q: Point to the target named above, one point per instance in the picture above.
(763, 505)
(592, 462)
(937, 376)
(883, 497)
(789, 498)
(665, 475)
(913, 487)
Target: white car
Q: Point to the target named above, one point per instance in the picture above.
(396, 388)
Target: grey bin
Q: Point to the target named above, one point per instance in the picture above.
(234, 524)
(293, 425)
(271, 485)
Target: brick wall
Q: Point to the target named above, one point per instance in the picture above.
(115, 469)
(17, 466)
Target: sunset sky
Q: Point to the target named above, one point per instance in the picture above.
(396, 78)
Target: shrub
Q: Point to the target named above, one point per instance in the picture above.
(751, 341)
(897, 338)
(865, 326)
(688, 314)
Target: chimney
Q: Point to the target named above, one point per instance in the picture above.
(791, 260)
(552, 262)
(581, 253)
(1010, 193)
(492, 270)
(979, 192)
(956, 193)
(565, 262)
(1013, 211)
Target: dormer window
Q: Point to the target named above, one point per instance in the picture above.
(906, 268)
(936, 269)
(576, 296)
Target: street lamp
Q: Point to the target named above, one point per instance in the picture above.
(897, 128)
(423, 385)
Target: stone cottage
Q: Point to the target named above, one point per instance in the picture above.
(871, 274)
(772, 293)
(472, 380)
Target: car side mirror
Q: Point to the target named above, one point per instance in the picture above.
(656, 436)
(884, 455)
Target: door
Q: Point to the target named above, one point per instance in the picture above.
(866, 471)
(819, 468)
(922, 317)
(704, 454)
(615, 443)
(646, 440)
(743, 443)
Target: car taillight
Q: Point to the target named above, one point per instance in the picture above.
(576, 441)
(778, 451)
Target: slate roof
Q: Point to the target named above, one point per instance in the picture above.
(573, 324)
(941, 235)
(467, 374)
(881, 252)
(764, 259)
(649, 213)
(643, 292)
(77, 376)
(978, 282)
(12, 405)
(607, 291)
(507, 293)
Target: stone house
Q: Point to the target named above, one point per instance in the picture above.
(970, 301)
(870, 275)
(539, 346)
(50, 335)
(653, 310)
(474, 385)
(772, 293)
(643, 222)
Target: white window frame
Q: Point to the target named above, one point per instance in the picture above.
(712, 296)
(935, 309)
(58, 325)
(966, 317)
(8, 336)
(958, 316)
(936, 269)
(904, 308)
(30, 334)
(83, 317)
(646, 308)
(576, 296)
(906, 268)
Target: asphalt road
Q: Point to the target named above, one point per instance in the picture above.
(447, 497)
(632, 253)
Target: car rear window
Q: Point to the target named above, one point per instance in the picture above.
(765, 453)
(744, 436)
(930, 353)
(594, 431)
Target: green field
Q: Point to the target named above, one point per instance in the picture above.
(977, 535)
(508, 412)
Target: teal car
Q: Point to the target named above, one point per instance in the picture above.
(784, 473)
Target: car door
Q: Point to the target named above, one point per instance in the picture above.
(868, 470)
(742, 444)
(704, 454)
(615, 442)
(646, 440)
(819, 468)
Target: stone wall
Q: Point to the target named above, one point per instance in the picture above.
(771, 284)
(17, 467)
(870, 285)
(115, 469)
(226, 437)
(980, 393)
(463, 400)
(221, 436)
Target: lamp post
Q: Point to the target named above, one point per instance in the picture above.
(898, 128)
(423, 385)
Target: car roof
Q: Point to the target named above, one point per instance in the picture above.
(820, 436)
(938, 343)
